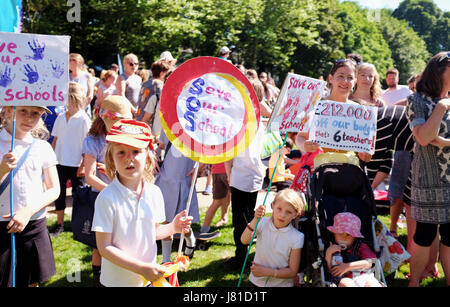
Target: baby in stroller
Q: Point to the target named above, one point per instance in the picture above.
(350, 260)
(334, 189)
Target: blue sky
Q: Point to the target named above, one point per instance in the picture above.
(393, 4)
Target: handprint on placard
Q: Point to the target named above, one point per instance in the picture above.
(38, 50)
(58, 71)
(5, 77)
(31, 74)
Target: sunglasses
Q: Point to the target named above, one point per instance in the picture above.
(133, 64)
(444, 57)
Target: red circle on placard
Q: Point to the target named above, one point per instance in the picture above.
(183, 75)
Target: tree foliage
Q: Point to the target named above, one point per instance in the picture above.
(362, 36)
(277, 36)
(429, 21)
(409, 51)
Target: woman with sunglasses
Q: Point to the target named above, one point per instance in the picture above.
(341, 81)
(128, 84)
(429, 118)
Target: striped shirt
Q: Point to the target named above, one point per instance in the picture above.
(393, 134)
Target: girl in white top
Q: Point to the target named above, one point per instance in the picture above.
(34, 258)
(278, 250)
(69, 131)
(128, 212)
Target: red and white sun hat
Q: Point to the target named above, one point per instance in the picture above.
(132, 133)
(346, 222)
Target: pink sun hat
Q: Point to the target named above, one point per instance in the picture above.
(346, 222)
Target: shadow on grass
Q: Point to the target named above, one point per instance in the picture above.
(215, 275)
(76, 279)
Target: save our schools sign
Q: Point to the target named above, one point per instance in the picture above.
(344, 126)
(209, 110)
(34, 69)
(297, 99)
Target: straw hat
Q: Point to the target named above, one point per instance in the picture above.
(113, 108)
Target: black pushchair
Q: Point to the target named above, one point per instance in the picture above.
(335, 188)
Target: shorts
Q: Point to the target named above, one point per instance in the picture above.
(425, 234)
(220, 186)
(35, 262)
(399, 174)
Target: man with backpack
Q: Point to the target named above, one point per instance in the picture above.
(150, 95)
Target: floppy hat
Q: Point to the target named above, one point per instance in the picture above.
(346, 222)
(113, 108)
(132, 133)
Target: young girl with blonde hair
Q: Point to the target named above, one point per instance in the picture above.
(276, 233)
(128, 212)
(69, 131)
(35, 186)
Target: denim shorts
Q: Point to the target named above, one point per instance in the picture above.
(399, 174)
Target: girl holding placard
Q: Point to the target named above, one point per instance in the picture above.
(34, 258)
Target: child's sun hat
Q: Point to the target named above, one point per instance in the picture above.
(346, 222)
(132, 133)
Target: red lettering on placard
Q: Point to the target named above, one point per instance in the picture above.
(220, 93)
(26, 94)
(10, 48)
(208, 127)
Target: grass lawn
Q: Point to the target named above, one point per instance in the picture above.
(73, 261)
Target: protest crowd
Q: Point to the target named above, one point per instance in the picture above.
(127, 177)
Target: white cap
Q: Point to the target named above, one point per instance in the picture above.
(224, 50)
(166, 55)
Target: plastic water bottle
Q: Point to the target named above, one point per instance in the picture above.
(336, 259)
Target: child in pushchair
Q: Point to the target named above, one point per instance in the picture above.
(350, 259)
(335, 188)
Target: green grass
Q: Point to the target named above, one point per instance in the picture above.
(205, 270)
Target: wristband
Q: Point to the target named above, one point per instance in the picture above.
(250, 228)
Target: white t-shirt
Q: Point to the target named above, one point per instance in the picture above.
(152, 107)
(248, 171)
(27, 183)
(273, 249)
(70, 136)
(131, 221)
(393, 96)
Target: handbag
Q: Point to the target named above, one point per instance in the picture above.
(83, 214)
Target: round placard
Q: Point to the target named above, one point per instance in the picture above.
(209, 110)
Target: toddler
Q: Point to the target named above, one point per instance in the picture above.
(357, 257)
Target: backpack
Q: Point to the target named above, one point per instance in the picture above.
(148, 89)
